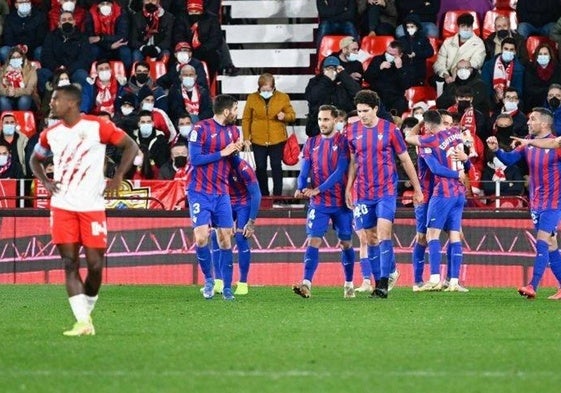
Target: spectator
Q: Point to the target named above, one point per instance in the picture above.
(107, 28)
(17, 142)
(9, 168)
(464, 45)
(503, 30)
(143, 166)
(184, 127)
(266, 114)
(537, 17)
(60, 6)
(162, 122)
(19, 83)
(175, 168)
(186, 95)
(100, 94)
(470, 118)
(61, 77)
(24, 25)
(348, 56)
(333, 86)
(416, 50)
(417, 112)
(511, 107)
(336, 17)
(555, 34)
(151, 32)
(539, 75)
(425, 9)
(387, 75)
(468, 77)
(126, 117)
(183, 55)
(380, 16)
(150, 137)
(480, 7)
(553, 103)
(502, 71)
(141, 80)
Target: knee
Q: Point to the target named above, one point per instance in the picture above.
(314, 242)
(241, 242)
(24, 103)
(5, 104)
(69, 265)
(346, 244)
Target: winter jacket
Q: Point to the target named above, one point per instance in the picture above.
(538, 13)
(419, 44)
(450, 53)
(425, 9)
(30, 30)
(517, 81)
(336, 10)
(162, 39)
(73, 51)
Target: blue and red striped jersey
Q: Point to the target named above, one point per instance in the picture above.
(441, 145)
(426, 178)
(207, 138)
(323, 155)
(240, 178)
(374, 149)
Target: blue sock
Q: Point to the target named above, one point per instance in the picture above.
(203, 256)
(393, 268)
(244, 256)
(435, 258)
(348, 260)
(455, 257)
(215, 252)
(449, 260)
(418, 261)
(366, 268)
(386, 256)
(226, 262)
(374, 258)
(542, 258)
(311, 260)
(555, 264)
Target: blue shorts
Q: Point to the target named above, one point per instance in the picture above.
(421, 217)
(240, 214)
(366, 214)
(317, 221)
(208, 209)
(546, 220)
(445, 213)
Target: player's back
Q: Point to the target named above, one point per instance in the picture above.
(240, 178)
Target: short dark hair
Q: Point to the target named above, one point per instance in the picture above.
(72, 92)
(509, 40)
(544, 112)
(367, 97)
(330, 108)
(396, 45)
(464, 91)
(102, 61)
(144, 112)
(142, 64)
(409, 122)
(443, 112)
(223, 102)
(465, 19)
(432, 117)
(504, 116)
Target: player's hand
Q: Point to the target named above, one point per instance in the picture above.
(230, 149)
(516, 141)
(249, 229)
(52, 186)
(349, 199)
(298, 194)
(459, 154)
(462, 177)
(247, 143)
(310, 192)
(493, 143)
(113, 186)
(418, 197)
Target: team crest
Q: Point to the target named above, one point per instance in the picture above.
(427, 150)
(193, 136)
(334, 148)
(380, 137)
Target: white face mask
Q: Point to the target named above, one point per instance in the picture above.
(126, 110)
(389, 58)
(543, 60)
(353, 57)
(16, 62)
(185, 130)
(466, 34)
(463, 74)
(182, 57)
(3, 160)
(68, 6)
(138, 161)
(147, 106)
(507, 56)
(339, 126)
(331, 74)
(145, 129)
(411, 30)
(104, 75)
(105, 10)
(418, 116)
(63, 82)
(24, 9)
(188, 81)
(9, 129)
(266, 94)
(510, 105)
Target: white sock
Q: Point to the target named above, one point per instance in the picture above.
(79, 306)
(308, 283)
(91, 300)
(366, 281)
(434, 278)
(348, 283)
(453, 281)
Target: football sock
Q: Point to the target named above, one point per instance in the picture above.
(203, 256)
(244, 256)
(448, 260)
(374, 258)
(555, 264)
(418, 261)
(434, 258)
(91, 300)
(365, 268)
(393, 267)
(311, 260)
(79, 306)
(348, 260)
(386, 256)
(227, 265)
(215, 252)
(456, 259)
(542, 258)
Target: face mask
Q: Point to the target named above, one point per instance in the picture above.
(138, 161)
(126, 110)
(389, 58)
(142, 78)
(419, 116)
(9, 129)
(67, 27)
(105, 10)
(16, 63)
(330, 74)
(266, 94)
(463, 105)
(180, 161)
(148, 106)
(511, 106)
(68, 6)
(504, 131)
(353, 57)
(151, 8)
(104, 75)
(339, 126)
(185, 130)
(145, 129)
(63, 82)
(554, 103)
(188, 82)
(543, 60)
(3, 160)
(466, 34)
(182, 57)
(463, 74)
(411, 31)
(24, 9)
(502, 34)
(50, 175)
(507, 56)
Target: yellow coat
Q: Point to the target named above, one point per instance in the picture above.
(260, 124)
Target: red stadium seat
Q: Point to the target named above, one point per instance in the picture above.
(117, 66)
(374, 46)
(450, 25)
(329, 44)
(25, 121)
(435, 43)
(534, 41)
(489, 21)
(419, 93)
(504, 4)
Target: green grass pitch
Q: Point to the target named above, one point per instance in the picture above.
(169, 339)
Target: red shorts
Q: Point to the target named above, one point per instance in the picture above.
(86, 228)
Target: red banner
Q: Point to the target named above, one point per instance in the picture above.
(7, 193)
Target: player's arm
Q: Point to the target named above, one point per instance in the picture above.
(130, 150)
(350, 181)
(409, 169)
(254, 203)
(542, 143)
(438, 169)
(36, 164)
(302, 181)
(336, 176)
(507, 158)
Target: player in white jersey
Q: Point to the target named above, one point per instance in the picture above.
(77, 144)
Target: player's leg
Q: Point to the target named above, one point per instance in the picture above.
(455, 254)
(368, 219)
(222, 216)
(241, 216)
(555, 264)
(385, 212)
(420, 246)
(365, 267)
(342, 222)
(215, 255)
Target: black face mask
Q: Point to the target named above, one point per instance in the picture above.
(50, 175)
(142, 78)
(463, 105)
(194, 18)
(67, 27)
(151, 8)
(502, 34)
(180, 161)
(554, 103)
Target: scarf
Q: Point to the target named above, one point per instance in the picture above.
(195, 41)
(545, 73)
(13, 78)
(152, 23)
(499, 168)
(502, 76)
(191, 104)
(181, 173)
(105, 98)
(4, 169)
(105, 25)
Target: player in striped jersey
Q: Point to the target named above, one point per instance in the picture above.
(326, 159)
(541, 152)
(373, 143)
(211, 143)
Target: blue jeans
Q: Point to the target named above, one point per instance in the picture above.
(22, 103)
(429, 28)
(525, 29)
(343, 28)
(123, 54)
